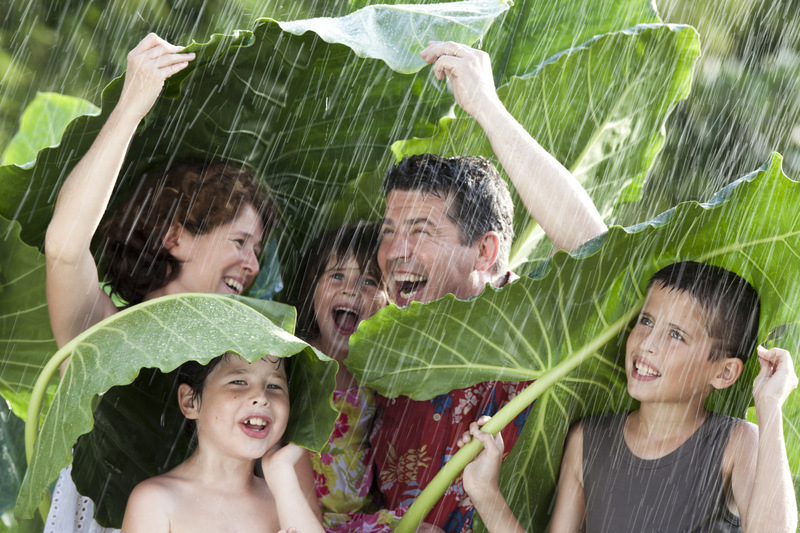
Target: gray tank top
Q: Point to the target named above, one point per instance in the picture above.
(679, 493)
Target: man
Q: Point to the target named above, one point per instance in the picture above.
(447, 230)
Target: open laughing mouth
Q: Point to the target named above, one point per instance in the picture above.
(643, 370)
(407, 286)
(256, 426)
(234, 285)
(346, 320)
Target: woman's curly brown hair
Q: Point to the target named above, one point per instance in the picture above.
(198, 196)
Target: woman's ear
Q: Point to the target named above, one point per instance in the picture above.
(730, 370)
(175, 241)
(190, 406)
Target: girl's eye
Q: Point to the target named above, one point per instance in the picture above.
(338, 276)
(386, 231)
(675, 334)
(239, 243)
(275, 386)
(238, 382)
(645, 321)
(371, 282)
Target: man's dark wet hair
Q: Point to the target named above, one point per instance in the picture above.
(732, 306)
(358, 240)
(195, 374)
(480, 198)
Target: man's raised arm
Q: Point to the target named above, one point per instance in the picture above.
(554, 198)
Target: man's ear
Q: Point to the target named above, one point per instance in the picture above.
(729, 371)
(488, 248)
(190, 406)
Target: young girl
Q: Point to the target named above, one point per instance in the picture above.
(340, 287)
(193, 228)
(240, 411)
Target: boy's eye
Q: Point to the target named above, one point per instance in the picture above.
(239, 242)
(675, 334)
(238, 382)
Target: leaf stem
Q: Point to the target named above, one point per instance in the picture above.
(34, 410)
(452, 468)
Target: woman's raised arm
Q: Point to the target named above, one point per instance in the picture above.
(75, 300)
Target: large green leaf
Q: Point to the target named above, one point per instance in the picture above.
(12, 457)
(598, 108)
(161, 334)
(566, 327)
(26, 341)
(307, 115)
(533, 30)
(42, 124)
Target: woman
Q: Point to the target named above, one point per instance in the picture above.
(193, 228)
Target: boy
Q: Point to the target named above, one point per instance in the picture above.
(241, 410)
(672, 465)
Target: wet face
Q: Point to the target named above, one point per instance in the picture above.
(421, 255)
(343, 297)
(666, 358)
(224, 260)
(244, 408)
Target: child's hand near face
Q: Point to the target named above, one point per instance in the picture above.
(777, 378)
(287, 471)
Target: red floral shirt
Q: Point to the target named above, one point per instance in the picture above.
(411, 440)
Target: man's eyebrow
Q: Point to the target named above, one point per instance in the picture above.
(419, 220)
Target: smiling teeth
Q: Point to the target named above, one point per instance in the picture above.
(256, 422)
(646, 370)
(412, 278)
(233, 284)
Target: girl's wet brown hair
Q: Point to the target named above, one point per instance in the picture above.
(199, 197)
(358, 240)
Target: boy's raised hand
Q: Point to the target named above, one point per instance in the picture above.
(149, 65)
(777, 378)
(481, 476)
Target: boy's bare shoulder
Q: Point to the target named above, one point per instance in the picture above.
(741, 448)
(149, 506)
(744, 436)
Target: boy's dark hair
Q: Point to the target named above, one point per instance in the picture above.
(198, 196)
(481, 201)
(731, 304)
(358, 240)
(195, 374)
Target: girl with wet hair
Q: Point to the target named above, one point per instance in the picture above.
(341, 286)
(192, 228)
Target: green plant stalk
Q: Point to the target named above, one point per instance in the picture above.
(452, 468)
(35, 409)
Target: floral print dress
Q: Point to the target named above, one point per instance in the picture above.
(344, 471)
